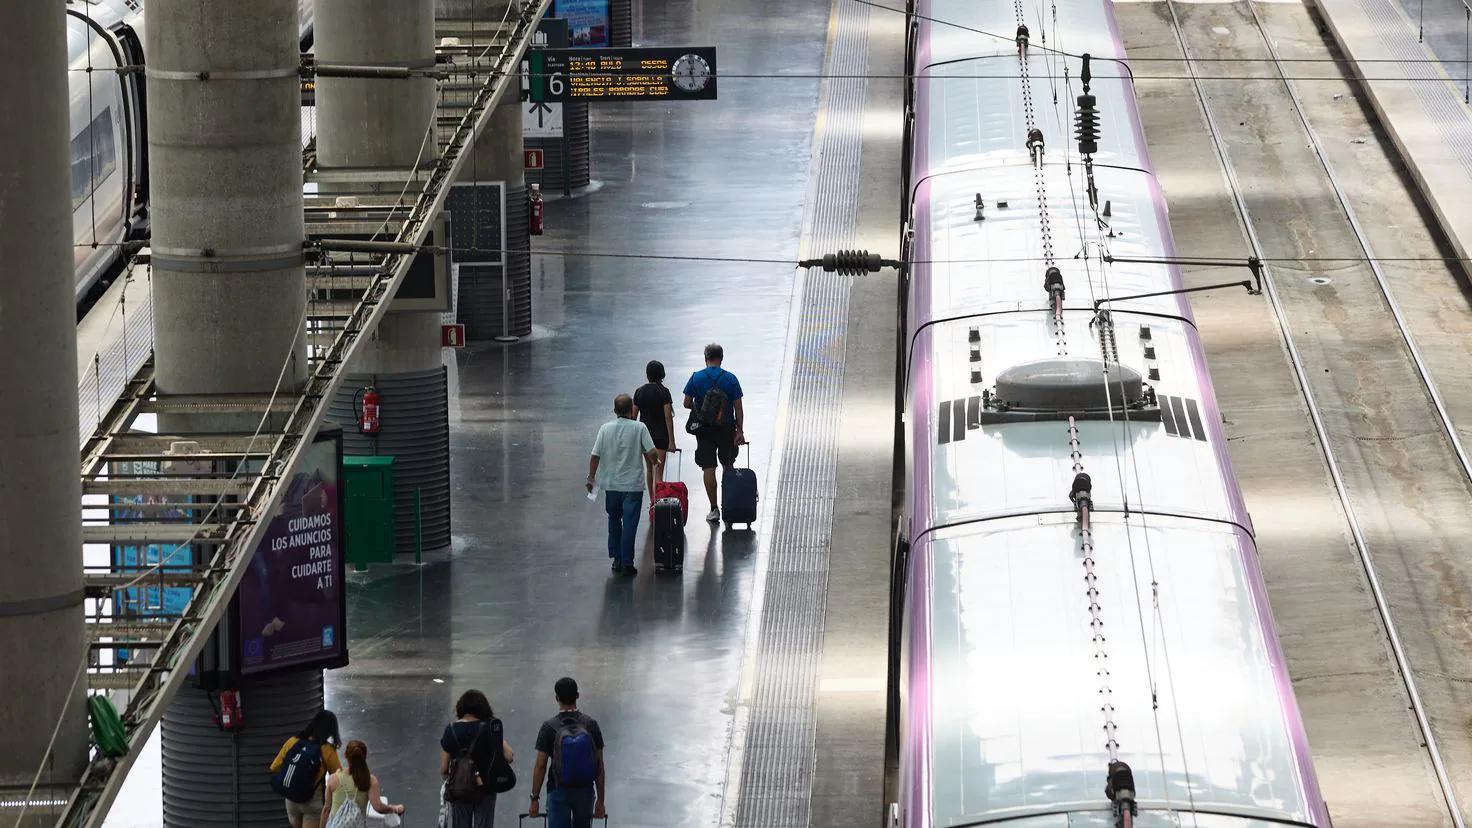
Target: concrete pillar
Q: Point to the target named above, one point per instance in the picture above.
(365, 123)
(215, 779)
(224, 143)
(369, 122)
(497, 156)
(225, 177)
(41, 635)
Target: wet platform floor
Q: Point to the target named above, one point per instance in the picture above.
(525, 594)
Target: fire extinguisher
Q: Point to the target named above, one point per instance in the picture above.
(535, 210)
(368, 410)
(230, 715)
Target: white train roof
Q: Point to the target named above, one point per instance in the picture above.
(1017, 726)
(966, 266)
(973, 463)
(972, 114)
(971, 29)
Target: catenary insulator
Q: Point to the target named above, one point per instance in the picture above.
(1086, 124)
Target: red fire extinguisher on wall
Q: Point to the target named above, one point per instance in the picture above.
(535, 208)
(368, 410)
(230, 715)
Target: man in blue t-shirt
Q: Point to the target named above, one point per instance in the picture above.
(718, 441)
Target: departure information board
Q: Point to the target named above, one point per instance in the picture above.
(627, 74)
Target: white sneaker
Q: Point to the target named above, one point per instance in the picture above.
(714, 516)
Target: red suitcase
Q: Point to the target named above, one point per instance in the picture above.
(675, 489)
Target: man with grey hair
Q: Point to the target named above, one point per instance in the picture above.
(617, 467)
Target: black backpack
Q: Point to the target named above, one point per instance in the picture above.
(463, 783)
(711, 413)
(503, 778)
(297, 779)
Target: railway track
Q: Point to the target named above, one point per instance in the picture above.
(1388, 444)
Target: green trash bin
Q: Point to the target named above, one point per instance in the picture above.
(370, 509)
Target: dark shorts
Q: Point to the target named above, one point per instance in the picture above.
(713, 444)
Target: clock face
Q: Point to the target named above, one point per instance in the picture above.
(691, 73)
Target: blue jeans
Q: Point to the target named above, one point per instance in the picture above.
(570, 808)
(623, 524)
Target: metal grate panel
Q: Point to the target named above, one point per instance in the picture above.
(779, 754)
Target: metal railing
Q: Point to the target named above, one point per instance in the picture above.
(215, 501)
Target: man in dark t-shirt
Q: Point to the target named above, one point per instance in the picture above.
(568, 805)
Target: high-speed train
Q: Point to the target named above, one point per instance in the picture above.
(1076, 578)
(109, 147)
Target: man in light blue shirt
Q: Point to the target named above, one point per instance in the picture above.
(617, 467)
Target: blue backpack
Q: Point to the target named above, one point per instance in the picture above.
(297, 779)
(574, 761)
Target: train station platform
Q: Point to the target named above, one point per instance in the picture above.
(749, 690)
(1420, 104)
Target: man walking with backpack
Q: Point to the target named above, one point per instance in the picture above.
(717, 420)
(570, 745)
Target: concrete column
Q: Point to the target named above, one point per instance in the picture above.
(224, 143)
(41, 635)
(365, 123)
(368, 122)
(497, 156)
(225, 173)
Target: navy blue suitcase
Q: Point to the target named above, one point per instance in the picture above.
(738, 496)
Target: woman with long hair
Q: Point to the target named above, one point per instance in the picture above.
(477, 733)
(357, 785)
(314, 745)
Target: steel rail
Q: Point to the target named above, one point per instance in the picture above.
(1360, 236)
(1382, 605)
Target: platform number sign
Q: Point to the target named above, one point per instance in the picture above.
(452, 336)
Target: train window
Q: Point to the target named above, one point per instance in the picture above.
(104, 147)
(94, 157)
(81, 168)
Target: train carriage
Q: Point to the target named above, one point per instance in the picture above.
(1028, 364)
(109, 145)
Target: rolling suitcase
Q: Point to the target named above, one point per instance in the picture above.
(675, 489)
(669, 536)
(739, 496)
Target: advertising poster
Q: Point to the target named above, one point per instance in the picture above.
(292, 602)
(587, 21)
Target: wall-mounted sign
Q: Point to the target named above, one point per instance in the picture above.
(541, 120)
(587, 21)
(533, 159)
(292, 601)
(452, 335)
(630, 74)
